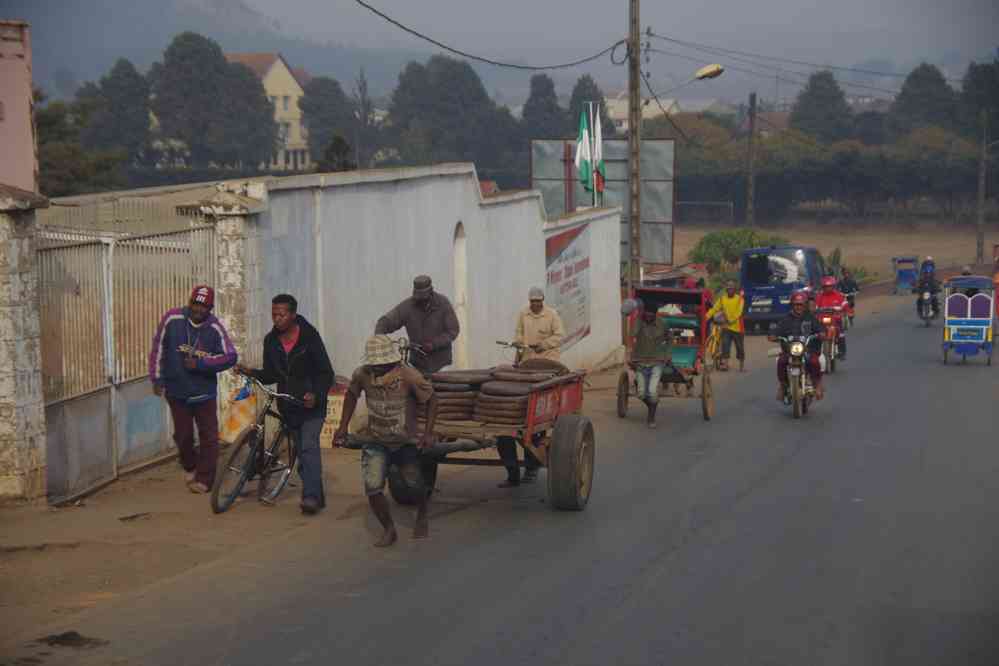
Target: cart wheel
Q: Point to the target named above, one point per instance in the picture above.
(408, 491)
(622, 394)
(707, 397)
(570, 463)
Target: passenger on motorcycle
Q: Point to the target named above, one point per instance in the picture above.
(829, 297)
(799, 322)
(928, 282)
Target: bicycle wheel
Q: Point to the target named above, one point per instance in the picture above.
(238, 469)
(278, 461)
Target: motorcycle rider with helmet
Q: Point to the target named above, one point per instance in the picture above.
(928, 282)
(799, 323)
(830, 297)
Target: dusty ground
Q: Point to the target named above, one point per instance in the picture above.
(870, 246)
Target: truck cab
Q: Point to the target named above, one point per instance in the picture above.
(769, 275)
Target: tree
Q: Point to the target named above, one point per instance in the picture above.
(243, 132)
(441, 112)
(336, 156)
(587, 90)
(326, 112)
(980, 92)
(64, 167)
(870, 128)
(120, 118)
(543, 118)
(821, 110)
(186, 93)
(368, 132)
(925, 99)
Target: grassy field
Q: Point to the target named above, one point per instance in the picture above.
(870, 246)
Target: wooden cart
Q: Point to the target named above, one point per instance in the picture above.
(555, 432)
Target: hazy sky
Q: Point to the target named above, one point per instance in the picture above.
(835, 31)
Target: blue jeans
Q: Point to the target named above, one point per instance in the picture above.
(648, 377)
(310, 460)
(376, 459)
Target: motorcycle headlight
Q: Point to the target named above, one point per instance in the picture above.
(926, 295)
(827, 320)
(797, 348)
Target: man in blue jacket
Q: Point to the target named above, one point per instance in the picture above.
(189, 349)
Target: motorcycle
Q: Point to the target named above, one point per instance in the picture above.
(927, 306)
(800, 391)
(831, 319)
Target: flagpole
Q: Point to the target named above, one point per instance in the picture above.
(599, 199)
(593, 171)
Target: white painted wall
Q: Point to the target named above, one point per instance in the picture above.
(348, 246)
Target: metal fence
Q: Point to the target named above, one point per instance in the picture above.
(100, 304)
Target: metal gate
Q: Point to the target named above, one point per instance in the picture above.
(100, 304)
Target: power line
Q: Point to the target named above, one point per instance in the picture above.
(488, 61)
(855, 70)
(770, 76)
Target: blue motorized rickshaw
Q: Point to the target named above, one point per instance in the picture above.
(969, 304)
(906, 273)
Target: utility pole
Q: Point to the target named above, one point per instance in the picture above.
(751, 171)
(980, 221)
(634, 143)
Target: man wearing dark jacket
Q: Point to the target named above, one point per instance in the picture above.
(189, 349)
(430, 322)
(295, 359)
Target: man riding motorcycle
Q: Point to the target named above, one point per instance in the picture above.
(928, 282)
(829, 297)
(799, 322)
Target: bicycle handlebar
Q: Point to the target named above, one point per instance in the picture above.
(274, 394)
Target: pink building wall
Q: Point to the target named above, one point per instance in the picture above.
(18, 154)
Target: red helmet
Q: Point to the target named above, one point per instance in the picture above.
(799, 298)
(829, 281)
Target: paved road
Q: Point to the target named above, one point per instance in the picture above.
(867, 533)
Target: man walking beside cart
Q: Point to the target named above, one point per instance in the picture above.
(430, 322)
(729, 312)
(539, 333)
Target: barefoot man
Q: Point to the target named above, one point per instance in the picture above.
(392, 391)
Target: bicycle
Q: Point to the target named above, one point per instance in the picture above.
(251, 458)
(713, 345)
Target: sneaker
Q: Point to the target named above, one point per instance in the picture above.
(197, 487)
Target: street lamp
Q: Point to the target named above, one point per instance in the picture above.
(706, 72)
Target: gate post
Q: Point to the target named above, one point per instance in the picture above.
(22, 406)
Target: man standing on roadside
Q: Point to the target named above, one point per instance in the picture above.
(431, 326)
(295, 359)
(539, 329)
(728, 312)
(392, 392)
(190, 347)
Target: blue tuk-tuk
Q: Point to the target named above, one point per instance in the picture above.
(906, 273)
(969, 304)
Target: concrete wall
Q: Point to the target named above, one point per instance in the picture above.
(19, 161)
(22, 415)
(348, 246)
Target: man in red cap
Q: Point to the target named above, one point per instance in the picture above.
(190, 348)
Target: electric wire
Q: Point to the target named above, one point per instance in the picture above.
(464, 54)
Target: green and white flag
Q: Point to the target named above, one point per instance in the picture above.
(584, 157)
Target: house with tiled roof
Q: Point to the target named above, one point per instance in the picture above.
(284, 86)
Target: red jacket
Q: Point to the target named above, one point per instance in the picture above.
(831, 299)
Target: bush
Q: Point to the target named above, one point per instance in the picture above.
(721, 250)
